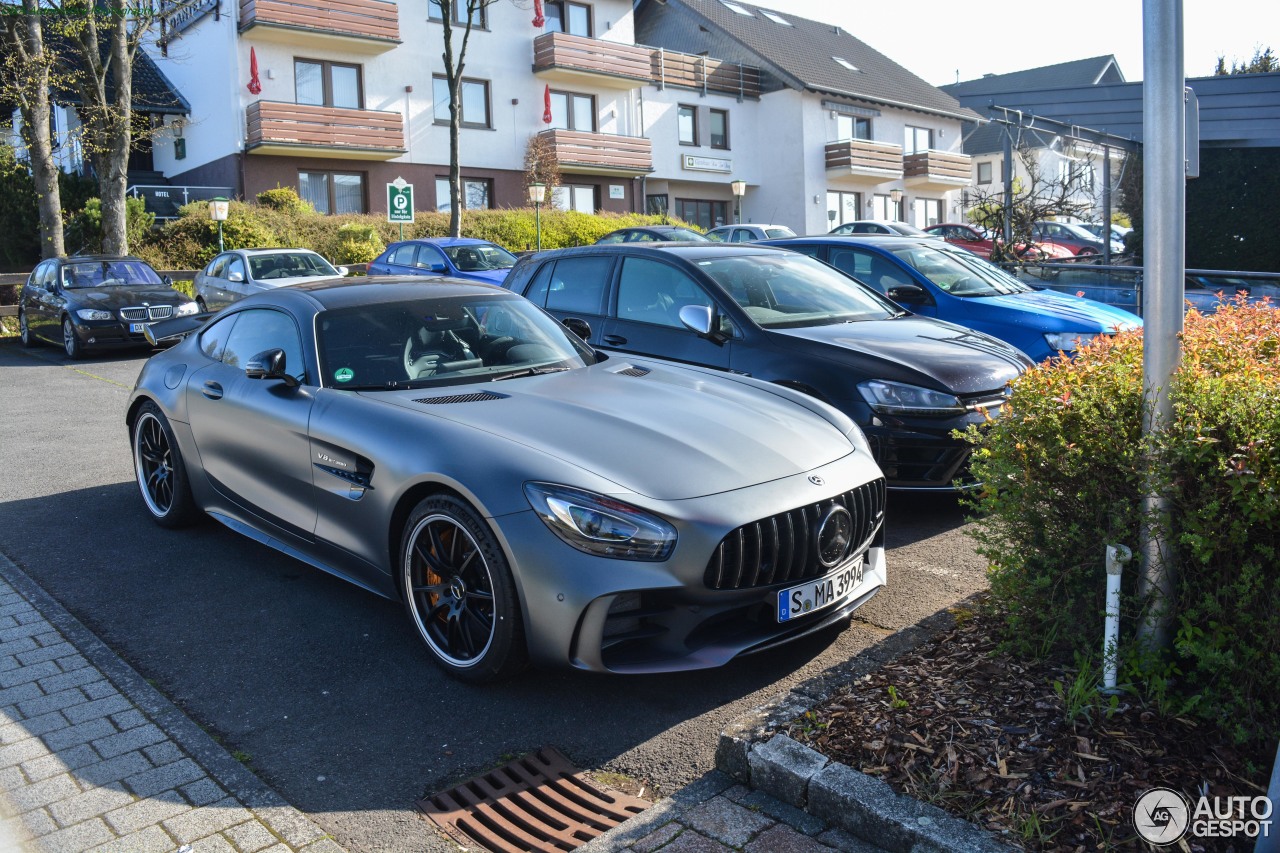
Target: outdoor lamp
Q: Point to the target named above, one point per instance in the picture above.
(739, 190)
(537, 193)
(218, 213)
(895, 196)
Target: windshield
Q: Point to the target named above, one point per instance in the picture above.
(910, 230)
(442, 341)
(480, 257)
(958, 272)
(687, 234)
(108, 274)
(790, 291)
(288, 265)
(778, 233)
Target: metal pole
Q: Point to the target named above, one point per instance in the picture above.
(1106, 205)
(537, 223)
(1008, 189)
(220, 249)
(1164, 262)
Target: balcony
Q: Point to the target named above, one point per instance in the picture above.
(365, 26)
(562, 57)
(600, 153)
(864, 158)
(699, 72)
(279, 128)
(937, 171)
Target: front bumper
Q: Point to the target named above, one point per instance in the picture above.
(107, 333)
(620, 616)
(921, 454)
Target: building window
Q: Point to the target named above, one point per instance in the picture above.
(882, 207)
(926, 211)
(571, 111)
(704, 214)
(844, 63)
(843, 207)
(984, 173)
(434, 13)
(656, 205)
(475, 101)
(852, 127)
(333, 192)
(477, 194)
(719, 121)
(579, 197)
(565, 17)
(328, 84)
(916, 139)
(687, 122)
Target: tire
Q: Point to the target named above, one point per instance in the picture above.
(1087, 250)
(160, 471)
(70, 341)
(200, 304)
(24, 331)
(459, 593)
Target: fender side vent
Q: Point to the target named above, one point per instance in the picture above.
(634, 371)
(478, 397)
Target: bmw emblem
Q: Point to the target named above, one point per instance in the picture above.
(835, 535)
(817, 481)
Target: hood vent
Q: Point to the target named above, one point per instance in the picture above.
(478, 397)
(634, 371)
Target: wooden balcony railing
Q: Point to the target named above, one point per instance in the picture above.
(595, 56)
(864, 157)
(600, 152)
(938, 167)
(279, 123)
(365, 19)
(705, 74)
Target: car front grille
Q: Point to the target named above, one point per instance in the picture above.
(783, 547)
(142, 312)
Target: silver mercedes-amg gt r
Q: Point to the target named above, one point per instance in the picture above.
(449, 444)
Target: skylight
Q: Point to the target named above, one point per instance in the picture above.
(734, 7)
(775, 17)
(844, 62)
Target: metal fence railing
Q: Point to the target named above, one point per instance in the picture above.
(1121, 286)
(164, 200)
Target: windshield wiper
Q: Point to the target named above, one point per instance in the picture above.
(530, 371)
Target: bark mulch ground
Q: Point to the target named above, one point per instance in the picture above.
(1023, 748)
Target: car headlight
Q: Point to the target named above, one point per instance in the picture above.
(600, 525)
(1068, 341)
(93, 314)
(897, 398)
(186, 309)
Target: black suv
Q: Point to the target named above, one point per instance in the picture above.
(908, 381)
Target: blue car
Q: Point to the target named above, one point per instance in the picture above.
(935, 279)
(458, 257)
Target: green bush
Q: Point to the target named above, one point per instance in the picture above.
(19, 221)
(285, 199)
(191, 240)
(358, 243)
(84, 227)
(1063, 475)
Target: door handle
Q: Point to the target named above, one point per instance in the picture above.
(615, 340)
(212, 390)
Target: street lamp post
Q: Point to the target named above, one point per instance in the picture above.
(895, 196)
(218, 213)
(537, 194)
(739, 190)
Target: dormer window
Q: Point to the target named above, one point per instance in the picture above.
(734, 7)
(844, 63)
(775, 17)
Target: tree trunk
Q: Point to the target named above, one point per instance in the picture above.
(35, 109)
(113, 178)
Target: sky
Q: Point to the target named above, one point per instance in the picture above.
(936, 39)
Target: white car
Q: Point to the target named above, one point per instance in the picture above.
(749, 233)
(237, 273)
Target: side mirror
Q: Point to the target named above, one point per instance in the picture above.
(50, 285)
(439, 268)
(909, 294)
(235, 276)
(344, 271)
(698, 318)
(579, 327)
(168, 280)
(269, 364)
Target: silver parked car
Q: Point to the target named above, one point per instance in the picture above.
(749, 232)
(236, 274)
(452, 445)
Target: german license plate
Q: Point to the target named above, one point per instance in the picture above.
(820, 593)
(137, 328)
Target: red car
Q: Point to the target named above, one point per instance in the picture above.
(968, 237)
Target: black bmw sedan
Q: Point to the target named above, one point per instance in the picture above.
(908, 381)
(91, 301)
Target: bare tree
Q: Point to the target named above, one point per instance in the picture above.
(465, 14)
(26, 78)
(1038, 193)
(541, 165)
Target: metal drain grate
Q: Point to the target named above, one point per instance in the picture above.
(539, 802)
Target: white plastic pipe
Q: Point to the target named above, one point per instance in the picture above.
(1117, 556)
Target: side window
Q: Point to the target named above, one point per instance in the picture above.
(809, 249)
(213, 339)
(403, 255)
(742, 235)
(428, 255)
(640, 237)
(41, 274)
(653, 292)
(851, 262)
(261, 330)
(536, 292)
(218, 266)
(612, 238)
(236, 265)
(578, 285)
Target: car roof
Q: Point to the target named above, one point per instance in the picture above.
(880, 240)
(686, 249)
(333, 293)
(446, 241)
(256, 252)
(75, 259)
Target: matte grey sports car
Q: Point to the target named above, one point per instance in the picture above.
(450, 444)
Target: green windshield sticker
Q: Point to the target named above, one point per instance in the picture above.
(344, 374)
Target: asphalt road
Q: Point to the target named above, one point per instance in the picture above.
(321, 686)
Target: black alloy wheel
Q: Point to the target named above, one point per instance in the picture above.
(24, 330)
(158, 467)
(459, 592)
(70, 341)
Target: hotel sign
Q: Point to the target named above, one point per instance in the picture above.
(695, 163)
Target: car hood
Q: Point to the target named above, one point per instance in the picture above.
(272, 283)
(957, 359)
(669, 434)
(124, 296)
(1075, 312)
(491, 276)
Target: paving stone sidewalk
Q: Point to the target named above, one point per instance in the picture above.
(92, 758)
